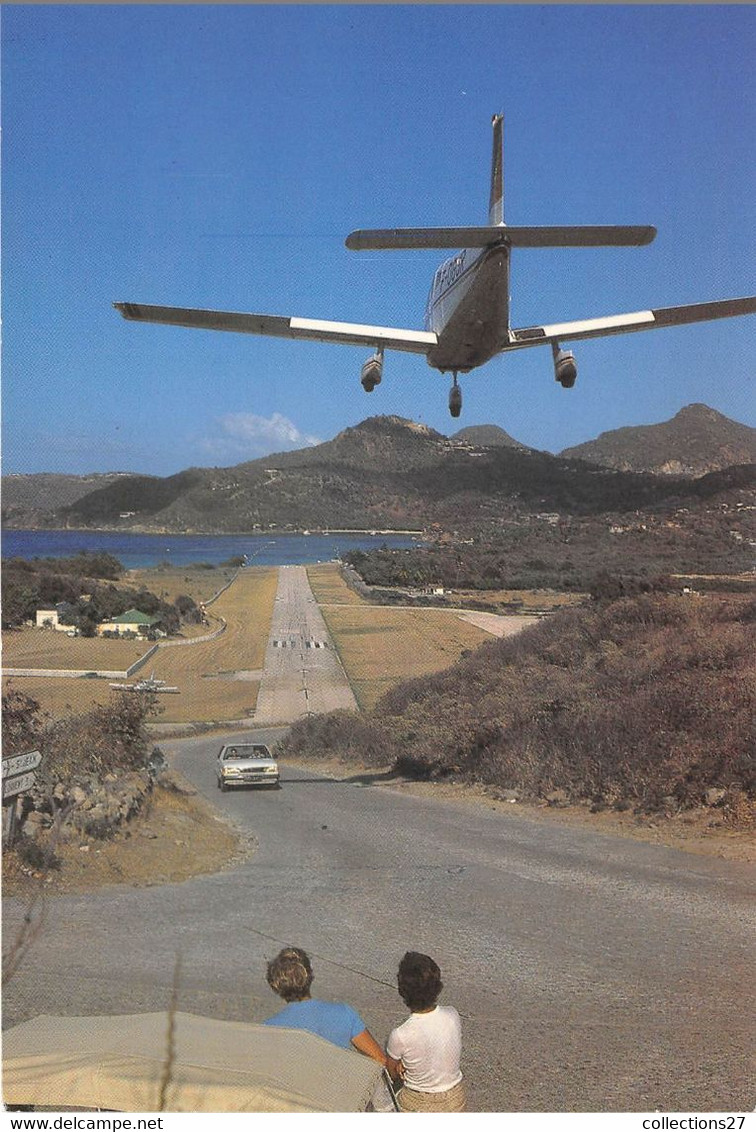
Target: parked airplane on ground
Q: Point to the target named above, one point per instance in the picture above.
(467, 314)
(148, 684)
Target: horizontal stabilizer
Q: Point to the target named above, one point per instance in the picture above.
(574, 236)
(348, 333)
(387, 239)
(627, 323)
(582, 236)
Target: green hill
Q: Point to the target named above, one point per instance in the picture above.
(385, 473)
(696, 441)
(486, 436)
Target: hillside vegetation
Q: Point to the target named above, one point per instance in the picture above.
(708, 530)
(106, 739)
(86, 583)
(486, 436)
(386, 473)
(697, 440)
(644, 702)
(43, 492)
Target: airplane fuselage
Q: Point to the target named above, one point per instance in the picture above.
(468, 308)
(467, 314)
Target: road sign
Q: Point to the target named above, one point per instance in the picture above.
(18, 764)
(18, 784)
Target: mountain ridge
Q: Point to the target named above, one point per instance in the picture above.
(486, 436)
(386, 472)
(695, 441)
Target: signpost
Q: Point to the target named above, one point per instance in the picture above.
(18, 764)
(17, 785)
(18, 776)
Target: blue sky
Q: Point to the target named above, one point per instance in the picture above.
(217, 156)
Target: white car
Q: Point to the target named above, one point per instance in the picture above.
(246, 764)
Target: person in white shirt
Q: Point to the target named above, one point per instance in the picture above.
(429, 1043)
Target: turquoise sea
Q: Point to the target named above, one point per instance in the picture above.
(181, 550)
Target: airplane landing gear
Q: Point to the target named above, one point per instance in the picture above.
(455, 398)
(372, 371)
(565, 366)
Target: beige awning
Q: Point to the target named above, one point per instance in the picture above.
(118, 1062)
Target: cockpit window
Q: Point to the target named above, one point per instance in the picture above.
(246, 751)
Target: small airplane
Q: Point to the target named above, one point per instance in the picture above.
(467, 313)
(148, 684)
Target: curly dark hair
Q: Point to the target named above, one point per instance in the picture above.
(290, 974)
(419, 980)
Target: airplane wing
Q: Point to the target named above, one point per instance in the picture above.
(626, 323)
(570, 236)
(349, 333)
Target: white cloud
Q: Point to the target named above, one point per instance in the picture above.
(245, 436)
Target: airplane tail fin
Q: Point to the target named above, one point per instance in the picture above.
(496, 201)
(496, 232)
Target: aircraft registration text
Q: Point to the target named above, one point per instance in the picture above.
(449, 272)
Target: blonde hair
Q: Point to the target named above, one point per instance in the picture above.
(290, 974)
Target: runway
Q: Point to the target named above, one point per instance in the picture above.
(303, 674)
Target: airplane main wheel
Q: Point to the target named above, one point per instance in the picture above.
(455, 399)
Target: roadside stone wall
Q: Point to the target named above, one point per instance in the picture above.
(90, 808)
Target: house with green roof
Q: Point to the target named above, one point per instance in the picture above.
(132, 621)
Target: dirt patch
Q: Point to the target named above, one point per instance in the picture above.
(527, 599)
(498, 626)
(178, 836)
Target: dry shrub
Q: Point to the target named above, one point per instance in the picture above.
(637, 701)
(106, 739)
(337, 734)
(35, 856)
(739, 810)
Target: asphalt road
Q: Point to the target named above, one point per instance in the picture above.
(592, 973)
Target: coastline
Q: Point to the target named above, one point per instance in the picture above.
(278, 532)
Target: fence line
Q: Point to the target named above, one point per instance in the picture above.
(222, 590)
(74, 673)
(142, 660)
(194, 640)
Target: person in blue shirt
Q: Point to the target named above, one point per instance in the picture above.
(290, 975)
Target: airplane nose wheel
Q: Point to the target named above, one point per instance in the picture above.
(455, 398)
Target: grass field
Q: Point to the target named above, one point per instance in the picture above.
(167, 582)
(218, 679)
(329, 587)
(530, 599)
(46, 648)
(380, 646)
